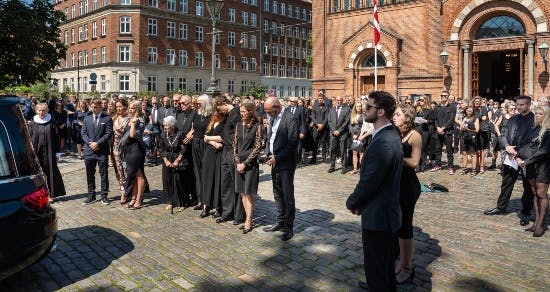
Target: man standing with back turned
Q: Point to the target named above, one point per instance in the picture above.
(376, 196)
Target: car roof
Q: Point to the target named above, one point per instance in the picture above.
(9, 100)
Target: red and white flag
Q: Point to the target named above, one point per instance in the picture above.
(376, 23)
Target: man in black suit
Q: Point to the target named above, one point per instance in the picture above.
(96, 132)
(516, 139)
(232, 207)
(281, 149)
(319, 132)
(376, 196)
(184, 124)
(299, 114)
(338, 124)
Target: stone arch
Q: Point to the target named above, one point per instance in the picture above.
(535, 11)
(356, 55)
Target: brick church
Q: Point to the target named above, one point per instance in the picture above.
(469, 47)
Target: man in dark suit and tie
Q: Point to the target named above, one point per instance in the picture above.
(319, 131)
(338, 124)
(96, 132)
(299, 114)
(376, 196)
(281, 149)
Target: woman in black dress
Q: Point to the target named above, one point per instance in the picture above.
(409, 191)
(61, 124)
(172, 152)
(134, 157)
(424, 126)
(211, 164)
(45, 141)
(355, 126)
(81, 112)
(469, 126)
(200, 122)
(247, 144)
(541, 162)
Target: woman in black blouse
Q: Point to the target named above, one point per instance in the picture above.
(247, 144)
(200, 123)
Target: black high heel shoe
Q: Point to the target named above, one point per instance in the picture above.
(408, 279)
(205, 212)
(246, 230)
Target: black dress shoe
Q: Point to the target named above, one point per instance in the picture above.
(216, 214)
(363, 285)
(494, 211)
(311, 162)
(89, 200)
(287, 235)
(331, 170)
(273, 228)
(238, 222)
(221, 220)
(524, 220)
(205, 213)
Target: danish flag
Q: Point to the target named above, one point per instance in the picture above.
(376, 23)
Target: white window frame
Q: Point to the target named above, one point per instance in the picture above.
(124, 53)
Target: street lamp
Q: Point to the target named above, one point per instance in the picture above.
(77, 75)
(214, 8)
(543, 49)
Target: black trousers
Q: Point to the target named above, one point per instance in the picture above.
(232, 206)
(283, 192)
(319, 139)
(339, 146)
(379, 259)
(509, 178)
(446, 139)
(90, 164)
(425, 153)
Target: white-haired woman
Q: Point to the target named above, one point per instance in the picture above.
(173, 154)
(200, 123)
(45, 140)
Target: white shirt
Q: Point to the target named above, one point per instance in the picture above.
(274, 128)
(376, 132)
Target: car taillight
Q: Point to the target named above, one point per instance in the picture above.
(36, 200)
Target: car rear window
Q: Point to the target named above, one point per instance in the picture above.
(7, 166)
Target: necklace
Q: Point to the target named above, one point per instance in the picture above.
(173, 142)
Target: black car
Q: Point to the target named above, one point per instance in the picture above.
(28, 223)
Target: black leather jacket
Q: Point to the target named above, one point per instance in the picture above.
(510, 133)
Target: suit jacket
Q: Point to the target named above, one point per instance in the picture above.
(100, 134)
(286, 142)
(339, 123)
(299, 114)
(184, 121)
(377, 192)
(319, 114)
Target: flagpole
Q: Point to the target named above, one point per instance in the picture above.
(376, 40)
(375, 68)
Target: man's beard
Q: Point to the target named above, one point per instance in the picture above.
(371, 119)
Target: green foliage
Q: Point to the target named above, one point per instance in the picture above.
(309, 59)
(257, 91)
(146, 94)
(31, 46)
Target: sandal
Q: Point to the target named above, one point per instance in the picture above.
(135, 207)
(481, 170)
(123, 200)
(131, 204)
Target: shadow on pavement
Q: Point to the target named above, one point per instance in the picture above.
(81, 252)
(475, 284)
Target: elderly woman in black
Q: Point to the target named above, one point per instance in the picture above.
(247, 144)
(172, 152)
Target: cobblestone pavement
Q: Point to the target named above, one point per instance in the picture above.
(112, 248)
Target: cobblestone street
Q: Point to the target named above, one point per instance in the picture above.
(112, 248)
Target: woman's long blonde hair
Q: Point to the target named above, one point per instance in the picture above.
(545, 124)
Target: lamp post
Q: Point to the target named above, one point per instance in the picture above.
(543, 50)
(214, 8)
(77, 75)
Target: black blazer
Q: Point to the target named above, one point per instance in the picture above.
(340, 123)
(100, 134)
(377, 192)
(286, 142)
(299, 114)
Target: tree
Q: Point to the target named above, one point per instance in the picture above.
(30, 42)
(257, 91)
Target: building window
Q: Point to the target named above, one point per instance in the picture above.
(66, 38)
(169, 84)
(266, 5)
(244, 40)
(85, 32)
(253, 19)
(244, 64)
(281, 70)
(183, 31)
(125, 2)
(217, 38)
(253, 42)
(125, 22)
(199, 34)
(103, 27)
(500, 26)
(103, 54)
(183, 57)
(275, 9)
(231, 62)
(124, 53)
(198, 85)
(170, 56)
(102, 83)
(152, 55)
(153, 3)
(282, 50)
(273, 27)
(199, 59)
(265, 69)
(80, 32)
(81, 6)
(73, 11)
(66, 12)
(124, 82)
(273, 69)
(231, 39)
(369, 61)
(243, 86)
(182, 84)
(184, 6)
(244, 16)
(266, 25)
(170, 30)
(217, 61)
(171, 5)
(94, 56)
(283, 9)
(266, 48)
(253, 64)
(254, 2)
(199, 8)
(152, 26)
(231, 17)
(274, 49)
(231, 86)
(94, 29)
(152, 83)
(72, 60)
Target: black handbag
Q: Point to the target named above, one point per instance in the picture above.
(357, 145)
